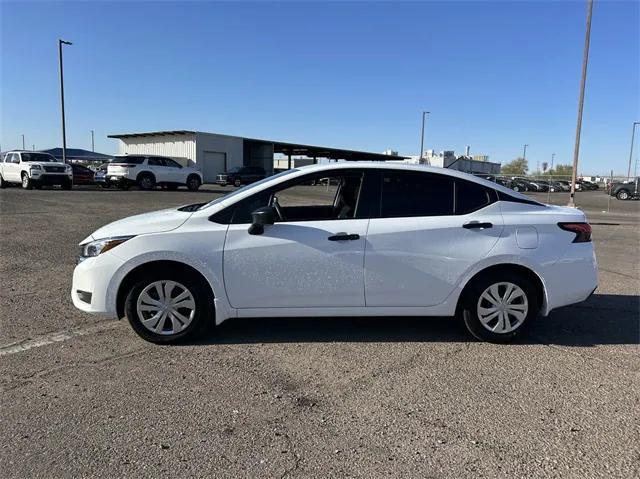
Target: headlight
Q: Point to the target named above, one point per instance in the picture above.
(68, 167)
(35, 167)
(97, 247)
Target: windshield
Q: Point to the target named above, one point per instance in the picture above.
(37, 157)
(247, 188)
(235, 169)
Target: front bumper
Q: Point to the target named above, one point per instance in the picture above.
(92, 278)
(51, 178)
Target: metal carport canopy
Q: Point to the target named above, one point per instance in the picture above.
(330, 153)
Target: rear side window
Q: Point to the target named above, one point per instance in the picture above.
(416, 194)
(132, 160)
(471, 197)
(156, 161)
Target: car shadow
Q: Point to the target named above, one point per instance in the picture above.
(602, 319)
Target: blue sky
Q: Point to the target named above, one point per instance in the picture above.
(495, 75)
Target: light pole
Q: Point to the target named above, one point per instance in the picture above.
(23, 142)
(633, 132)
(93, 147)
(583, 80)
(553, 157)
(524, 152)
(424, 114)
(64, 132)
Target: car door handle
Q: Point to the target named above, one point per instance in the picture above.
(344, 237)
(477, 225)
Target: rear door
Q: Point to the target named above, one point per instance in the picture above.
(427, 234)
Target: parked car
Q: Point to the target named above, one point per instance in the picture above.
(241, 175)
(587, 185)
(148, 171)
(627, 190)
(100, 177)
(82, 175)
(565, 185)
(33, 169)
(438, 242)
(556, 186)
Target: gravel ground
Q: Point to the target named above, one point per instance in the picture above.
(362, 397)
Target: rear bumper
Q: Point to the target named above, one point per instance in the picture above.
(573, 278)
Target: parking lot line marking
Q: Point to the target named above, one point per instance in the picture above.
(56, 337)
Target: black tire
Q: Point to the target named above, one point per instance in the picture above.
(623, 194)
(193, 182)
(3, 184)
(471, 303)
(203, 315)
(27, 182)
(146, 181)
(237, 182)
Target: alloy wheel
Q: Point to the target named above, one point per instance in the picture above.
(166, 307)
(502, 307)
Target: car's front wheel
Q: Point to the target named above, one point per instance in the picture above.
(169, 308)
(622, 195)
(496, 307)
(27, 182)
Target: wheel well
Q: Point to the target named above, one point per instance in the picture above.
(511, 268)
(154, 267)
(191, 175)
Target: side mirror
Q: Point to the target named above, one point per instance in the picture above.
(262, 216)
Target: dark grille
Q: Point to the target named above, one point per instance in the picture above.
(54, 169)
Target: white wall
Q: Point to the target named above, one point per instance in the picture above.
(181, 148)
(231, 145)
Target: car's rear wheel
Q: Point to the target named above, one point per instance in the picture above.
(193, 183)
(27, 183)
(3, 184)
(496, 307)
(146, 181)
(169, 308)
(622, 195)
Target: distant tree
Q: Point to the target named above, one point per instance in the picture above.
(562, 170)
(519, 166)
(545, 165)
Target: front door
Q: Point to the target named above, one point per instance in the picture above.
(312, 257)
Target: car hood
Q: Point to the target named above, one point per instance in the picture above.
(45, 163)
(154, 222)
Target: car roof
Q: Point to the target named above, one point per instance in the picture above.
(409, 167)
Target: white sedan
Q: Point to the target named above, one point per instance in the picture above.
(372, 239)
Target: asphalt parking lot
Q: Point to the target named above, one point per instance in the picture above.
(364, 397)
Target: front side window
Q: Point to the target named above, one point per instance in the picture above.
(312, 198)
(172, 164)
(407, 194)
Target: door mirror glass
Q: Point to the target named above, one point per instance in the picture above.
(261, 217)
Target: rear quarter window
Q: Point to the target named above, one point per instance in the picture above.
(471, 197)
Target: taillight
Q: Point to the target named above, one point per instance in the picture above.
(582, 231)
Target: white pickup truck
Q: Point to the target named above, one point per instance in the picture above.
(33, 169)
(147, 172)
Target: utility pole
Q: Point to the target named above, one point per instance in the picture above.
(583, 80)
(553, 157)
(23, 147)
(424, 114)
(64, 132)
(633, 132)
(524, 152)
(93, 146)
